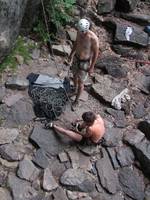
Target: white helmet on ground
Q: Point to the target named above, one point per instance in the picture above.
(83, 25)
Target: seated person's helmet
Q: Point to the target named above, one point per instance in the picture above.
(83, 25)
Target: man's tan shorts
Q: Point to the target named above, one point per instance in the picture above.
(80, 68)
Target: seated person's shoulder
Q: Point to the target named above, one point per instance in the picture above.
(100, 119)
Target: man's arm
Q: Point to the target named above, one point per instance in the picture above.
(88, 133)
(73, 50)
(95, 51)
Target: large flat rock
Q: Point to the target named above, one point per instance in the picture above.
(106, 89)
(107, 175)
(78, 180)
(49, 183)
(4, 194)
(131, 184)
(10, 152)
(135, 37)
(8, 135)
(17, 83)
(27, 170)
(21, 113)
(21, 190)
(141, 147)
(49, 141)
(113, 137)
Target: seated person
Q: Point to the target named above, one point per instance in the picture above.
(91, 128)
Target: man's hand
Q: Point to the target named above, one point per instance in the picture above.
(90, 72)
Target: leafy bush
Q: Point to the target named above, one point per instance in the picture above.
(21, 48)
(60, 11)
(41, 31)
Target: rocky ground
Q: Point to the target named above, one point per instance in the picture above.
(38, 164)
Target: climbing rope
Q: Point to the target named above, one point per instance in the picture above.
(40, 95)
(49, 100)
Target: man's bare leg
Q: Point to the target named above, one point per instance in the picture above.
(80, 90)
(75, 83)
(71, 134)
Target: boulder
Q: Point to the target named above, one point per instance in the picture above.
(8, 135)
(113, 159)
(113, 137)
(2, 93)
(40, 159)
(119, 116)
(133, 136)
(48, 140)
(131, 35)
(131, 184)
(106, 89)
(113, 66)
(20, 113)
(61, 50)
(27, 170)
(141, 148)
(144, 126)
(142, 153)
(124, 50)
(139, 19)
(72, 34)
(78, 180)
(49, 182)
(105, 6)
(12, 99)
(107, 176)
(11, 14)
(4, 194)
(126, 5)
(139, 111)
(59, 194)
(142, 83)
(125, 156)
(21, 190)
(17, 83)
(10, 152)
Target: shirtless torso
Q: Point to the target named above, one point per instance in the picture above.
(86, 46)
(96, 131)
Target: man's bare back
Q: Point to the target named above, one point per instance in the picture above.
(97, 130)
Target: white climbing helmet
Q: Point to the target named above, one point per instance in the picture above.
(83, 25)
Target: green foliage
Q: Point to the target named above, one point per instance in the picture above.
(41, 32)
(58, 14)
(60, 11)
(21, 48)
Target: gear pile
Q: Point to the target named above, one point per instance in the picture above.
(49, 102)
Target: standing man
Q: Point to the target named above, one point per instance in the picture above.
(83, 56)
